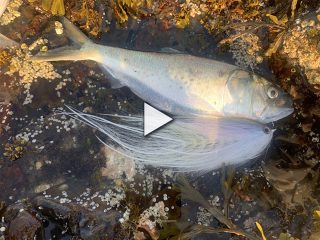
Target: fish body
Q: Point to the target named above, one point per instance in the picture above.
(180, 83)
(185, 84)
(188, 144)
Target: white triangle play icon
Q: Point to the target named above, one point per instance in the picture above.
(153, 119)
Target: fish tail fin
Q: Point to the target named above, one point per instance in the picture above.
(78, 37)
(7, 42)
(82, 47)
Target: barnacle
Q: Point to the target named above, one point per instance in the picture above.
(56, 7)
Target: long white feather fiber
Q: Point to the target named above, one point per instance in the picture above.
(187, 144)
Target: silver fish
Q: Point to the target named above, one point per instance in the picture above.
(188, 144)
(179, 83)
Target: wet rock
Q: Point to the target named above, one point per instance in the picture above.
(22, 223)
(25, 226)
(301, 48)
(11, 177)
(71, 220)
(65, 216)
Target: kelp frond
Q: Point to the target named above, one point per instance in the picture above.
(56, 7)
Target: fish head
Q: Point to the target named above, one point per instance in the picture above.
(269, 102)
(251, 96)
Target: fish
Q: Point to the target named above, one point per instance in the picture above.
(188, 144)
(4, 41)
(179, 83)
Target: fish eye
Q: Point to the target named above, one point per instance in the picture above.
(272, 92)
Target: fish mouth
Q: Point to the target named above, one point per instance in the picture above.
(285, 107)
(284, 102)
(284, 113)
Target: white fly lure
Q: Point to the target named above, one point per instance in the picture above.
(179, 83)
(188, 144)
(4, 41)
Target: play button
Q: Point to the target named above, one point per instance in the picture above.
(153, 119)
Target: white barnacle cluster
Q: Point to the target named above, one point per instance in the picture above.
(125, 216)
(27, 93)
(214, 201)
(113, 197)
(246, 51)
(149, 182)
(64, 81)
(11, 13)
(38, 127)
(7, 112)
(204, 217)
(89, 199)
(153, 215)
(29, 71)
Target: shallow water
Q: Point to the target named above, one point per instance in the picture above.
(71, 186)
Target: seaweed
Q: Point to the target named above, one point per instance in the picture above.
(14, 151)
(123, 9)
(86, 16)
(192, 194)
(56, 7)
